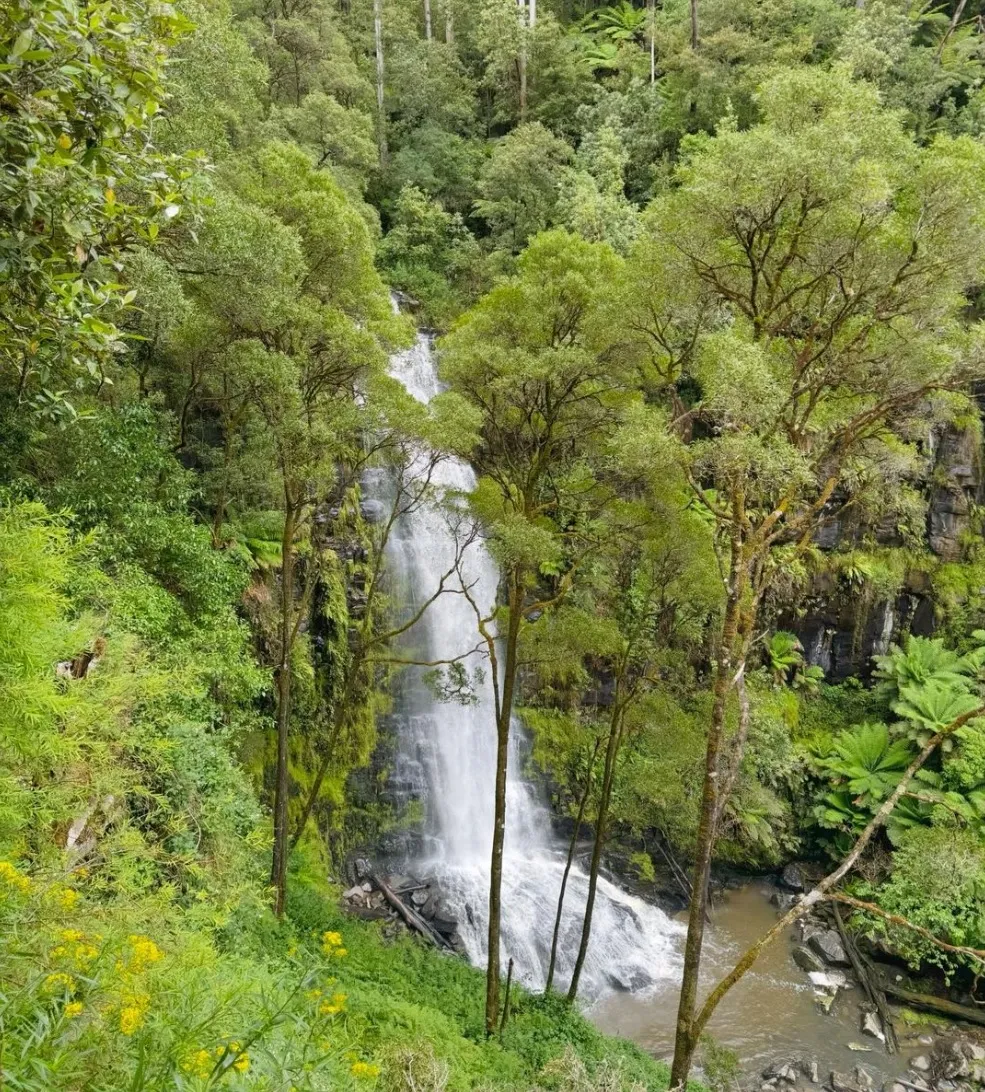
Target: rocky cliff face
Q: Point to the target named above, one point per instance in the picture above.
(843, 624)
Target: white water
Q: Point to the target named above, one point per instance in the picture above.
(448, 755)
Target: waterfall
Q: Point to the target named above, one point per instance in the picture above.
(447, 751)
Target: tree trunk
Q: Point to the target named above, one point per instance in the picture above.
(521, 61)
(449, 23)
(278, 872)
(427, 20)
(533, 13)
(380, 76)
(685, 1040)
(499, 820)
(567, 865)
(608, 774)
(652, 15)
(694, 24)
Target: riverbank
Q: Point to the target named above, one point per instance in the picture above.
(788, 1031)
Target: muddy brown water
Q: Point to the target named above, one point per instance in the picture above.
(772, 1015)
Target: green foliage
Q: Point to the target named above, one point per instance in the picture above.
(82, 180)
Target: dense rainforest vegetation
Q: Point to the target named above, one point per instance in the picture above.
(707, 283)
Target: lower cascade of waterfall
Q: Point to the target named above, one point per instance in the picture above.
(447, 761)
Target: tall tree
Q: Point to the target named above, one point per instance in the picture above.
(798, 296)
(532, 359)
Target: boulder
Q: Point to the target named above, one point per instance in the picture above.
(871, 1025)
(419, 897)
(840, 1082)
(810, 1070)
(829, 980)
(863, 1078)
(793, 879)
(829, 947)
(807, 960)
(784, 900)
(921, 1063)
(781, 1071)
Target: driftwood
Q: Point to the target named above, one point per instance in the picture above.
(410, 916)
(870, 984)
(935, 1004)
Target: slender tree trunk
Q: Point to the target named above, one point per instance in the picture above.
(521, 61)
(694, 24)
(685, 1040)
(652, 16)
(427, 20)
(499, 820)
(449, 22)
(380, 80)
(567, 865)
(533, 13)
(278, 872)
(608, 773)
(955, 19)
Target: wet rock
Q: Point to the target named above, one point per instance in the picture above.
(976, 1052)
(921, 1063)
(781, 1071)
(793, 878)
(419, 897)
(784, 900)
(373, 511)
(895, 1086)
(860, 1048)
(362, 868)
(863, 1079)
(445, 923)
(828, 946)
(840, 1082)
(871, 1025)
(829, 980)
(810, 1070)
(807, 960)
(353, 893)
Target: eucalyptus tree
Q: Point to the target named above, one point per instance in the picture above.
(797, 298)
(533, 361)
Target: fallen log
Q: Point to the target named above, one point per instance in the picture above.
(870, 983)
(410, 916)
(935, 1004)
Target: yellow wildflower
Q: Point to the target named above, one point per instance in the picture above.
(331, 945)
(64, 142)
(71, 936)
(143, 953)
(73, 1009)
(131, 1019)
(313, 995)
(199, 1064)
(66, 898)
(12, 878)
(364, 1070)
(55, 983)
(58, 952)
(334, 1006)
(242, 1063)
(82, 873)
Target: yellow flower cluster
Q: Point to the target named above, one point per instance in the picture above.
(64, 898)
(143, 953)
(73, 1009)
(76, 947)
(200, 1063)
(333, 1006)
(364, 1070)
(59, 983)
(14, 879)
(331, 946)
(133, 1012)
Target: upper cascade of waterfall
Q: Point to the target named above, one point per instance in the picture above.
(451, 750)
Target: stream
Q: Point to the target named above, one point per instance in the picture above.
(772, 1015)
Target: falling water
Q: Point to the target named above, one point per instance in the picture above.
(448, 755)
